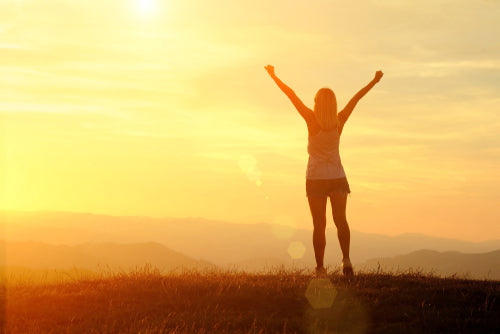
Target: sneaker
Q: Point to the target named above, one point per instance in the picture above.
(347, 268)
(320, 272)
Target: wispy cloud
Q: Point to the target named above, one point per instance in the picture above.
(12, 107)
(12, 46)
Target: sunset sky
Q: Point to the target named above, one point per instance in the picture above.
(163, 108)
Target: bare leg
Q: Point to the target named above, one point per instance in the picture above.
(318, 212)
(339, 203)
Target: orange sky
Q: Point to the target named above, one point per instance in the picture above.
(163, 108)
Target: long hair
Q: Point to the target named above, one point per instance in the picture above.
(325, 108)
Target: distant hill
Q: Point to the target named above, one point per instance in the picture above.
(221, 243)
(477, 266)
(94, 256)
(112, 256)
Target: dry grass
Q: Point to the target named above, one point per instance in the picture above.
(146, 301)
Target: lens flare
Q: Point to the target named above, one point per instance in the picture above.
(248, 165)
(296, 250)
(321, 293)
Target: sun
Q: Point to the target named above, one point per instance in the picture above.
(146, 7)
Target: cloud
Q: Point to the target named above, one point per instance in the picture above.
(12, 46)
(16, 107)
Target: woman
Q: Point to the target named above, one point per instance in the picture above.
(325, 176)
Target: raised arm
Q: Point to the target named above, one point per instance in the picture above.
(346, 112)
(304, 111)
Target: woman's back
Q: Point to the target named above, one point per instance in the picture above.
(324, 158)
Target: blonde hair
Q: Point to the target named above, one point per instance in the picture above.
(325, 108)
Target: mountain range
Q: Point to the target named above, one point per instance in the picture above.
(477, 266)
(113, 257)
(95, 256)
(245, 246)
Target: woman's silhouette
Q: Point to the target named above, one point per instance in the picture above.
(325, 176)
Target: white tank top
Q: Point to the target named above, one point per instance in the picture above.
(324, 158)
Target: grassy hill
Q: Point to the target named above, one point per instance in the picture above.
(145, 301)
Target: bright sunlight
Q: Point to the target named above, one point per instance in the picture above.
(146, 7)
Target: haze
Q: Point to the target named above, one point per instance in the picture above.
(164, 109)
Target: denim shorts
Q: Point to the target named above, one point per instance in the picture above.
(325, 187)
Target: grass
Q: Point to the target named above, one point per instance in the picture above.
(146, 301)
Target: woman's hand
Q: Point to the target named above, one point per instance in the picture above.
(378, 76)
(270, 70)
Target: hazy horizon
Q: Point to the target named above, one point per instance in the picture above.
(32, 244)
(225, 238)
(330, 227)
(163, 109)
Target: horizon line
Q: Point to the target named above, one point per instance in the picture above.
(236, 223)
